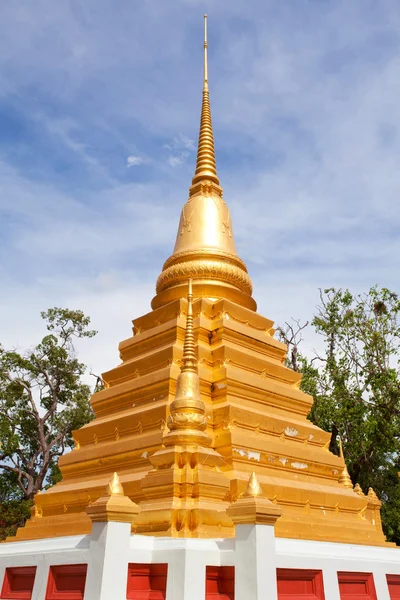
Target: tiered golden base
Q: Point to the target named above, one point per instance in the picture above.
(256, 418)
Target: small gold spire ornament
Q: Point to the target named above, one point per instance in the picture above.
(254, 488)
(114, 487)
(344, 478)
(253, 507)
(113, 505)
(372, 495)
(187, 422)
(358, 490)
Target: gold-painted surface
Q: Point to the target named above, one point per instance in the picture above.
(187, 420)
(205, 248)
(358, 490)
(113, 505)
(254, 488)
(254, 507)
(256, 420)
(185, 442)
(114, 487)
(373, 512)
(186, 493)
(344, 478)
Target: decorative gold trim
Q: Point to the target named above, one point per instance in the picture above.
(205, 269)
(207, 252)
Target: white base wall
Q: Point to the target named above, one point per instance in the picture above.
(255, 553)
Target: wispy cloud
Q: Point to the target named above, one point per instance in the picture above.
(306, 120)
(179, 149)
(134, 161)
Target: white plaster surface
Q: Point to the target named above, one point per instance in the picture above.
(255, 553)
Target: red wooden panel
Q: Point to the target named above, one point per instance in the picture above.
(356, 586)
(393, 582)
(220, 583)
(306, 583)
(147, 582)
(66, 582)
(18, 583)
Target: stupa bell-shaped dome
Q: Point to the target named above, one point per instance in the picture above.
(205, 248)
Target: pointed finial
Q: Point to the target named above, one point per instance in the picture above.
(358, 490)
(189, 362)
(344, 478)
(254, 488)
(372, 495)
(206, 169)
(187, 422)
(114, 487)
(205, 87)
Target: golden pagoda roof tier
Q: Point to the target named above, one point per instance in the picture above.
(205, 248)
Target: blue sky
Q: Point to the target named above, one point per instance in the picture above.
(99, 114)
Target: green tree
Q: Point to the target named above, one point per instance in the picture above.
(42, 400)
(355, 382)
(13, 509)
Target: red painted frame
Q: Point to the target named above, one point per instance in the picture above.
(288, 581)
(351, 586)
(18, 583)
(220, 583)
(66, 582)
(393, 582)
(147, 581)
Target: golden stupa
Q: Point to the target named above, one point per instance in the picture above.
(201, 400)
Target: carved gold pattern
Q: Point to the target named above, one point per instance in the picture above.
(221, 255)
(205, 269)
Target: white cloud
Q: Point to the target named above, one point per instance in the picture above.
(305, 112)
(179, 149)
(134, 161)
(175, 161)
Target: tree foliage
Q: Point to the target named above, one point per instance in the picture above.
(42, 400)
(355, 382)
(13, 509)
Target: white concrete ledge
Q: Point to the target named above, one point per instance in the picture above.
(255, 553)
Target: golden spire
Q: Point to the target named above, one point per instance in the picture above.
(206, 168)
(113, 505)
(205, 248)
(205, 86)
(114, 487)
(344, 477)
(189, 362)
(254, 488)
(372, 495)
(358, 490)
(187, 422)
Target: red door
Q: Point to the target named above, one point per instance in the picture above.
(356, 586)
(393, 582)
(220, 583)
(18, 583)
(66, 582)
(146, 581)
(305, 583)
